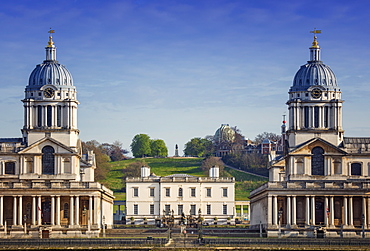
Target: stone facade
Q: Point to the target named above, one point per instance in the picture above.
(47, 186)
(322, 181)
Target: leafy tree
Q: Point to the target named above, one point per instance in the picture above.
(266, 135)
(101, 158)
(133, 170)
(158, 148)
(115, 150)
(140, 146)
(212, 161)
(198, 147)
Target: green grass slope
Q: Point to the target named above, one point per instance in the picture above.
(167, 166)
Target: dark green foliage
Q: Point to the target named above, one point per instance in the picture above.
(198, 147)
(140, 146)
(158, 148)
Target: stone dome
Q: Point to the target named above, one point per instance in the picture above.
(224, 133)
(50, 72)
(314, 73)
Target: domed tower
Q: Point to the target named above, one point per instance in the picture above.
(224, 134)
(50, 103)
(315, 104)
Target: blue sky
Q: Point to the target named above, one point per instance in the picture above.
(179, 69)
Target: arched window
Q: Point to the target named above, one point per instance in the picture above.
(9, 167)
(356, 169)
(317, 161)
(337, 166)
(180, 192)
(48, 160)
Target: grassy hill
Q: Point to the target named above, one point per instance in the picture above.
(167, 166)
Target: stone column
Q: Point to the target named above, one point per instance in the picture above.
(332, 211)
(269, 208)
(350, 211)
(90, 221)
(345, 211)
(33, 220)
(58, 211)
(326, 208)
(20, 215)
(1, 210)
(71, 211)
(96, 216)
(275, 212)
(39, 210)
(313, 218)
(52, 213)
(368, 211)
(14, 210)
(288, 211)
(364, 211)
(77, 207)
(294, 210)
(307, 210)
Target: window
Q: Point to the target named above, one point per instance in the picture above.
(326, 116)
(180, 192)
(224, 192)
(317, 117)
(208, 209)
(224, 209)
(180, 209)
(39, 115)
(136, 209)
(209, 192)
(300, 166)
(192, 209)
(167, 209)
(317, 161)
(356, 169)
(9, 167)
(29, 164)
(151, 209)
(59, 115)
(67, 165)
(168, 194)
(306, 117)
(49, 115)
(136, 192)
(337, 166)
(151, 192)
(192, 193)
(65, 210)
(48, 160)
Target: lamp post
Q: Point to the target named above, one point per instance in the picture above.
(103, 221)
(200, 222)
(363, 225)
(280, 213)
(25, 223)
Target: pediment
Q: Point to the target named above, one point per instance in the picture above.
(306, 147)
(36, 148)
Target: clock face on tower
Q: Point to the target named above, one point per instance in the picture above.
(49, 92)
(316, 93)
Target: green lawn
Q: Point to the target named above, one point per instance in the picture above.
(167, 166)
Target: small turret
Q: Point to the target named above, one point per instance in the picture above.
(214, 172)
(145, 172)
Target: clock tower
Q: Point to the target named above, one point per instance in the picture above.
(50, 103)
(315, 104)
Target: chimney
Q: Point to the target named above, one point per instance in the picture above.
(145, 172)
(214, 172)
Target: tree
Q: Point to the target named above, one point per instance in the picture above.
(115, 150)
(101, 159)
(198, 147)
(140, 146)
(158, 148)
(266, 135)
(133, 170)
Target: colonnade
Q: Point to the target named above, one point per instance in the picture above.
(35, 215)
(285, 209)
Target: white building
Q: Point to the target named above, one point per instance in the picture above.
(47, 185)
(150, 197)
(323, 179)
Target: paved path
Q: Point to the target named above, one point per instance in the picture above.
(240, 170)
